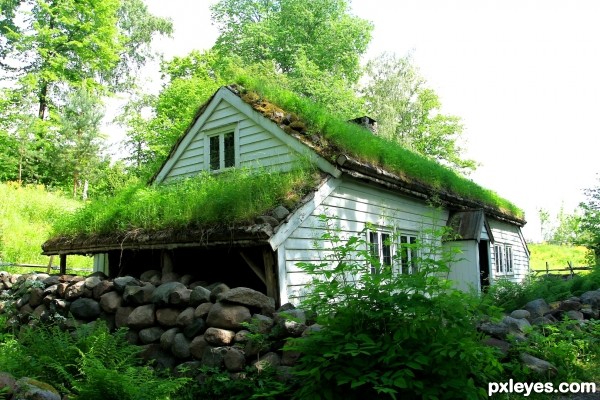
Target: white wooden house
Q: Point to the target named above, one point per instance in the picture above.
(230, 132)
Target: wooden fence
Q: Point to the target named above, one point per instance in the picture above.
(570, 268)
(49, 267)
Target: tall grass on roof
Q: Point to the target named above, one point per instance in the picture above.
(233, 197)
(362, 144)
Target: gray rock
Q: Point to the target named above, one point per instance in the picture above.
(575, 315)
(592, 298)
(161, 294)
(150, 335)
(292, 321)
(142, 317)
(216, 290)
(181, 346)
(538, 365)
(180, 297)
(516, 325)
(167, 338)
(218, 336)
(537, 308)
(199, 295)
(92, 281)
(83, 308)
(138, 295)
(186, 317)
(227, 316)
(147, 275)
(570, 304)
(280, 212)
(102, 288)
(74, 291)
(520, 314)
(197, 347)
(202, 310)
(167, 316)
(122, 316)
(110, 301)
(31, 389)
(195, 328)
(123, 281)
(234, 360)
(214, 356)
(249, 298)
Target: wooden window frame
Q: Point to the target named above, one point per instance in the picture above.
(405, 264)
(503, 259)
(226, 161)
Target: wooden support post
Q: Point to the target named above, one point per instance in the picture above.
(50, 264)
(571, 268)
(547, 268)
(270, 279)
(63, 264)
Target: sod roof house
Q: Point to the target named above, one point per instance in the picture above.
(367, 185)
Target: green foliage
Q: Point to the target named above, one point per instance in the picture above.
(558, 257)
(323, 31)
(590, 220)
(573, 348)
(511, 296)
(389, 335)
(26, 217)
(356, 140)
(408, 112)
(251, 384)
(217, 200)
(89, 363)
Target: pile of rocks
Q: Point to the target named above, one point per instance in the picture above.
(177, 321)
(518, 324)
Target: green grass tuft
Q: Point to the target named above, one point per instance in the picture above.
(360, 142)
(27, 214)
(233, 197)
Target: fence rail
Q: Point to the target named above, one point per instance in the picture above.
(48, 267)
(570, 268)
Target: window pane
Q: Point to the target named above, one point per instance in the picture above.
(413, 255)
(229, 150)
(374, 247)
(386, 250)
(214, 153)
(404, 255)
(508, 260)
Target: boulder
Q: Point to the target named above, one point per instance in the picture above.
(84, 308)
(227, 316)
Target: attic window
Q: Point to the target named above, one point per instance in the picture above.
(222, 151)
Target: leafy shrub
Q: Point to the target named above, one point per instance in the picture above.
(250, 384)
(88, 363)
(573, 348)
(387, 334)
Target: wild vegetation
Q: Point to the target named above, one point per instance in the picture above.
(27, 215)
(379, 336)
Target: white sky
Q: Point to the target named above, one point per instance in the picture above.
(523, 75)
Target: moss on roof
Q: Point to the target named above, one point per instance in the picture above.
(332, 136)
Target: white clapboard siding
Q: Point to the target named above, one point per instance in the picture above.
(507, 234)
(257, 147)
(354, 204)
(464, 271)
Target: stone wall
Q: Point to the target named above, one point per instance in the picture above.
(177, 321)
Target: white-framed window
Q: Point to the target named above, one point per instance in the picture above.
(408, 254)
(503, 259)
(221, 148)
(397, 251)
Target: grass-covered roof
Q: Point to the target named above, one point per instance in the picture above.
(236, 198)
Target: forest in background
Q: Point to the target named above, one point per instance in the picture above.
(61, 62)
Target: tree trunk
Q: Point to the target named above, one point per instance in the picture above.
(43, 98)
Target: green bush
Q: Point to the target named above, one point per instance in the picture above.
(391, 335)
(510, 296)
(87, 363)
